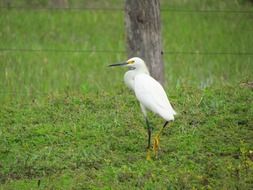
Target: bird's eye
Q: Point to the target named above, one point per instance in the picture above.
(131, 62)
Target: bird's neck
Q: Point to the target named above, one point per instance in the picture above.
(141, 70)
(130, 75)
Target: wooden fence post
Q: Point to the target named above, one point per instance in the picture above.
(143, 32)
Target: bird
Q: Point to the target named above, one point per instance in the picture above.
(151, 96)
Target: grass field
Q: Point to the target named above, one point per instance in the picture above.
(67, 121)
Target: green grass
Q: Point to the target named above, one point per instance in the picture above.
(68, 122)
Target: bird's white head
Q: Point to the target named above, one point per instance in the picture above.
(133, 63)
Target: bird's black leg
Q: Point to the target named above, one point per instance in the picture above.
(149, 133)
(160, 132)
(157, 139)
(149, 138)
(165, 124)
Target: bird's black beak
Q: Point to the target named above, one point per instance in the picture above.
(118, 64)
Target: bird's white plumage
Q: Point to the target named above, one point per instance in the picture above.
(129, 79)
(152, 96)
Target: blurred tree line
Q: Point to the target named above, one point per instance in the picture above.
(61, 3)
(38, 3)
(100, 3)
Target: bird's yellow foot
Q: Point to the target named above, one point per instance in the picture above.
(156, 145)
(148, 155)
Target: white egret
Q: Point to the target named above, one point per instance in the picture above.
(150, 94)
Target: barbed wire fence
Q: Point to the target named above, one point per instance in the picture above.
(177, 10)
(117, 9)
(40, 8)
(121, 51)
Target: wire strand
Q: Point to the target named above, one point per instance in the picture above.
(120, 51)
(61, 50)
(207, 11)
(122, 9)
(62, 8)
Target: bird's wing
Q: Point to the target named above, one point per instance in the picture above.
(152, 95)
